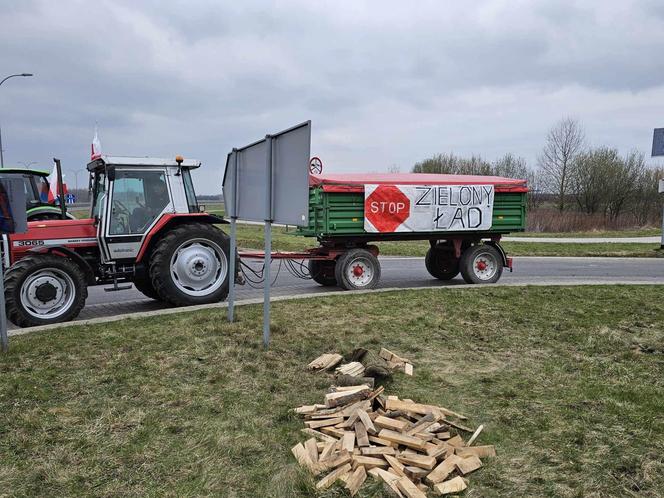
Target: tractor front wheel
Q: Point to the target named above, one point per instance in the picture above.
(189, 265)
(44, 289)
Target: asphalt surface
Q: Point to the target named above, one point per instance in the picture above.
(586, 240)
(410, 272)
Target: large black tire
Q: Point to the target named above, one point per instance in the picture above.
(481, 264)
(44, 274)
(441, 264)
(357, 269)
(323, 272)
(144, 286)
(187, 282)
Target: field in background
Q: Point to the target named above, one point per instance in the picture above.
(284, 239)
(569, 383)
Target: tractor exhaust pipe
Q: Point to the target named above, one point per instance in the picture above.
(61, 189)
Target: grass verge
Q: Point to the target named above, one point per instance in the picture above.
(569, 383)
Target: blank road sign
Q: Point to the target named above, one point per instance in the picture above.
(289, 182)
(658, 142)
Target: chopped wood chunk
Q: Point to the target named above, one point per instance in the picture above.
(422, 461)
(337, 459)
(474, 436)
(382, 442)
(361, 435)
(325, 361)
(329, 479)
(334, 432)
(388, 478)
(421, 425)
(366, 421)
(444, 469)
(454, 485)
(378, 450)
(409, 489)
(354, 368)
(390, 423)
(302, 457)
(409, 406)
(416, 474)
(318, 435)
(468, 464)
(456, 441)
(411, 442)
(312, 449)
(478, 451)
(369, 462)
(408, 369)
(333, 400)
(348, 441)
(356, 479)
(315, 424)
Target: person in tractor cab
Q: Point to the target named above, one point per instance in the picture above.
(155, 200)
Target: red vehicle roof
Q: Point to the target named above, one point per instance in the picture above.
(354, 182)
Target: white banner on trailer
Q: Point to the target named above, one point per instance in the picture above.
(428, 208)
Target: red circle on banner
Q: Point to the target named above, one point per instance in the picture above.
(386, 208)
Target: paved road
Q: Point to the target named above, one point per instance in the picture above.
(410, 272)
(586, 240)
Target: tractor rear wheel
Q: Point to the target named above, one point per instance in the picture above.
(357, 269)
(441, 264)
(481, 264)
(322, 272)
(189, 265)
(43, 289)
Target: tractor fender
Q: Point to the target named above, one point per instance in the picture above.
(68, 253)
(502, 252)
(170, 221)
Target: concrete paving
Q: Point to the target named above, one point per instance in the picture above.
(409, 272)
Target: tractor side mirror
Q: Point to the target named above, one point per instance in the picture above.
(110, 173)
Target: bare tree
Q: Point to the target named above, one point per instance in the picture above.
(563, 142)
(589, 174)
(622, 182)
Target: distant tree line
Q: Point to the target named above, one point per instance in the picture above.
(572, 176)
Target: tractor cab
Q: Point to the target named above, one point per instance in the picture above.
(36, 186)
(130, 195)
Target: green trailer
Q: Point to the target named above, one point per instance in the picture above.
(346, 220)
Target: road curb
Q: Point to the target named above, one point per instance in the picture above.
(246, 302)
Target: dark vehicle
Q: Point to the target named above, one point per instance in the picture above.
(37, 189)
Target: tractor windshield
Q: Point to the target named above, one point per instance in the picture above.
(139, 197)
(98, 194)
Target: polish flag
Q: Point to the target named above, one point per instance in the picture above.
(96, 146)
(53, 185)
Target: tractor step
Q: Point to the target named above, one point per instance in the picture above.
(117, 287)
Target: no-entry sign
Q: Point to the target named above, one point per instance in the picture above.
(427, 208)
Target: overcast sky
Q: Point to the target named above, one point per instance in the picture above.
(385, 83)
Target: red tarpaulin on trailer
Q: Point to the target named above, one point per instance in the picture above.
(354, 182)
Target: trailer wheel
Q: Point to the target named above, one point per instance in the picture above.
(323, 272)
(44, 289)
(441, 264)
(357, 269)
(481, 264)
(189, 265)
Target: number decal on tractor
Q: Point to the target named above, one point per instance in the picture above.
(21, 243)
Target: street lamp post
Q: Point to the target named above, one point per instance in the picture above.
(27, 165)
(2, 159)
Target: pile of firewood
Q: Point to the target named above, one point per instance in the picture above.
(412, 447)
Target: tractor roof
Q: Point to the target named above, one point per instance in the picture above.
(23, 171)
(155, 162)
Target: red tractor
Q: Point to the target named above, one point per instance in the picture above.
(145, 227)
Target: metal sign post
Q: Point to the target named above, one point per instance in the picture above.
(661, 191)
(13, 219)
(269, 209)
(658, 150)
(232, 211)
